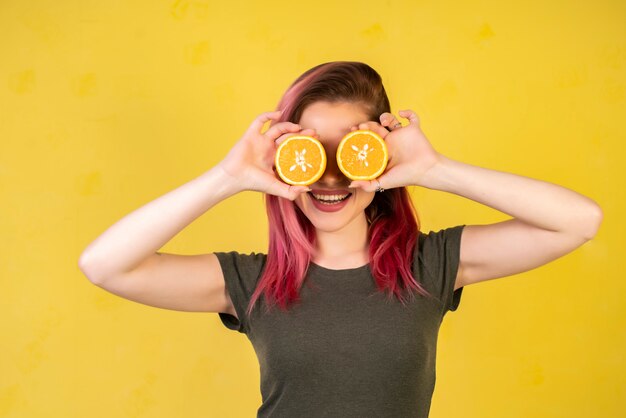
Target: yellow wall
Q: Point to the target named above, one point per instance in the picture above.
(104, 106)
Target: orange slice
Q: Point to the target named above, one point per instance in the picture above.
(362, 155)
(300, 160)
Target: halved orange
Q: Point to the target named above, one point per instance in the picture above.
(362, 155)
(300, 160)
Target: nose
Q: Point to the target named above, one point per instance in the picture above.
(333, 176)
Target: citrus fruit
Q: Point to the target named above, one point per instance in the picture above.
(300, 160)
(362, 155)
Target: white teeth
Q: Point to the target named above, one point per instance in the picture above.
(330, 198)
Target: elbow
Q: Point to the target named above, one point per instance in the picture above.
(87, 269)
(593, 222)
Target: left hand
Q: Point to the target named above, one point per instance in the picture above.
(410, 154)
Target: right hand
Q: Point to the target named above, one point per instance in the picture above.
(250, 162)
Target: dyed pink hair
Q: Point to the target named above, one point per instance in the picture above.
(393, 223)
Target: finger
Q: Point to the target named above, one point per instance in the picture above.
(259, 121)
(410, 115)
(390, 121)
(281, 128)
(287, 191)
(383, 181)
(366, 185)
(388, 180)
(295, 191)
(311, 132)
(375, 127)
(367, 125)
(307, 132)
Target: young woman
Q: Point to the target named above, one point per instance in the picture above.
(344, 309)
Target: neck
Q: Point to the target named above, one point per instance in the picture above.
(344, 248)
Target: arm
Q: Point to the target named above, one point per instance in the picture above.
(548, 222)
(123, 260)
(535, 202)
(138, 235)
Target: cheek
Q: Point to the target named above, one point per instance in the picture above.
(366, 198)
(299, 202)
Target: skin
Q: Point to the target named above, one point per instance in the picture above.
(548, 220)
(341, 235)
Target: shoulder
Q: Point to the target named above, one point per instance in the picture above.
(239, 256)
(439, 239)
(438, 248)
(241, 263)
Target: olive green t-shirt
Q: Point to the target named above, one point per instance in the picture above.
(344, 350)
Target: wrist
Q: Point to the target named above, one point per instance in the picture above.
(221, 182)
(438, 176)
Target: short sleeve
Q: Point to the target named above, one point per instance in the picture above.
(241, 275)
(440, 256)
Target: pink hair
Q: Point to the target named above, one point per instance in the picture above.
(393, 221)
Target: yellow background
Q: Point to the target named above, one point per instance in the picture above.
(104, 106)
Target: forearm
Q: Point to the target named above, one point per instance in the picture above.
(138, 235)
(545, 205)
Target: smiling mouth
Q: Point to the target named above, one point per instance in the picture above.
(330, 199)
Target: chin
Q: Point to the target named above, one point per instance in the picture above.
(326, 226)
(329, 221)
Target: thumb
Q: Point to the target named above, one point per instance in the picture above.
(287, 191)
(366, 185)
(384, 181)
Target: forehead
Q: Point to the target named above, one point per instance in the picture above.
(332, 120)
